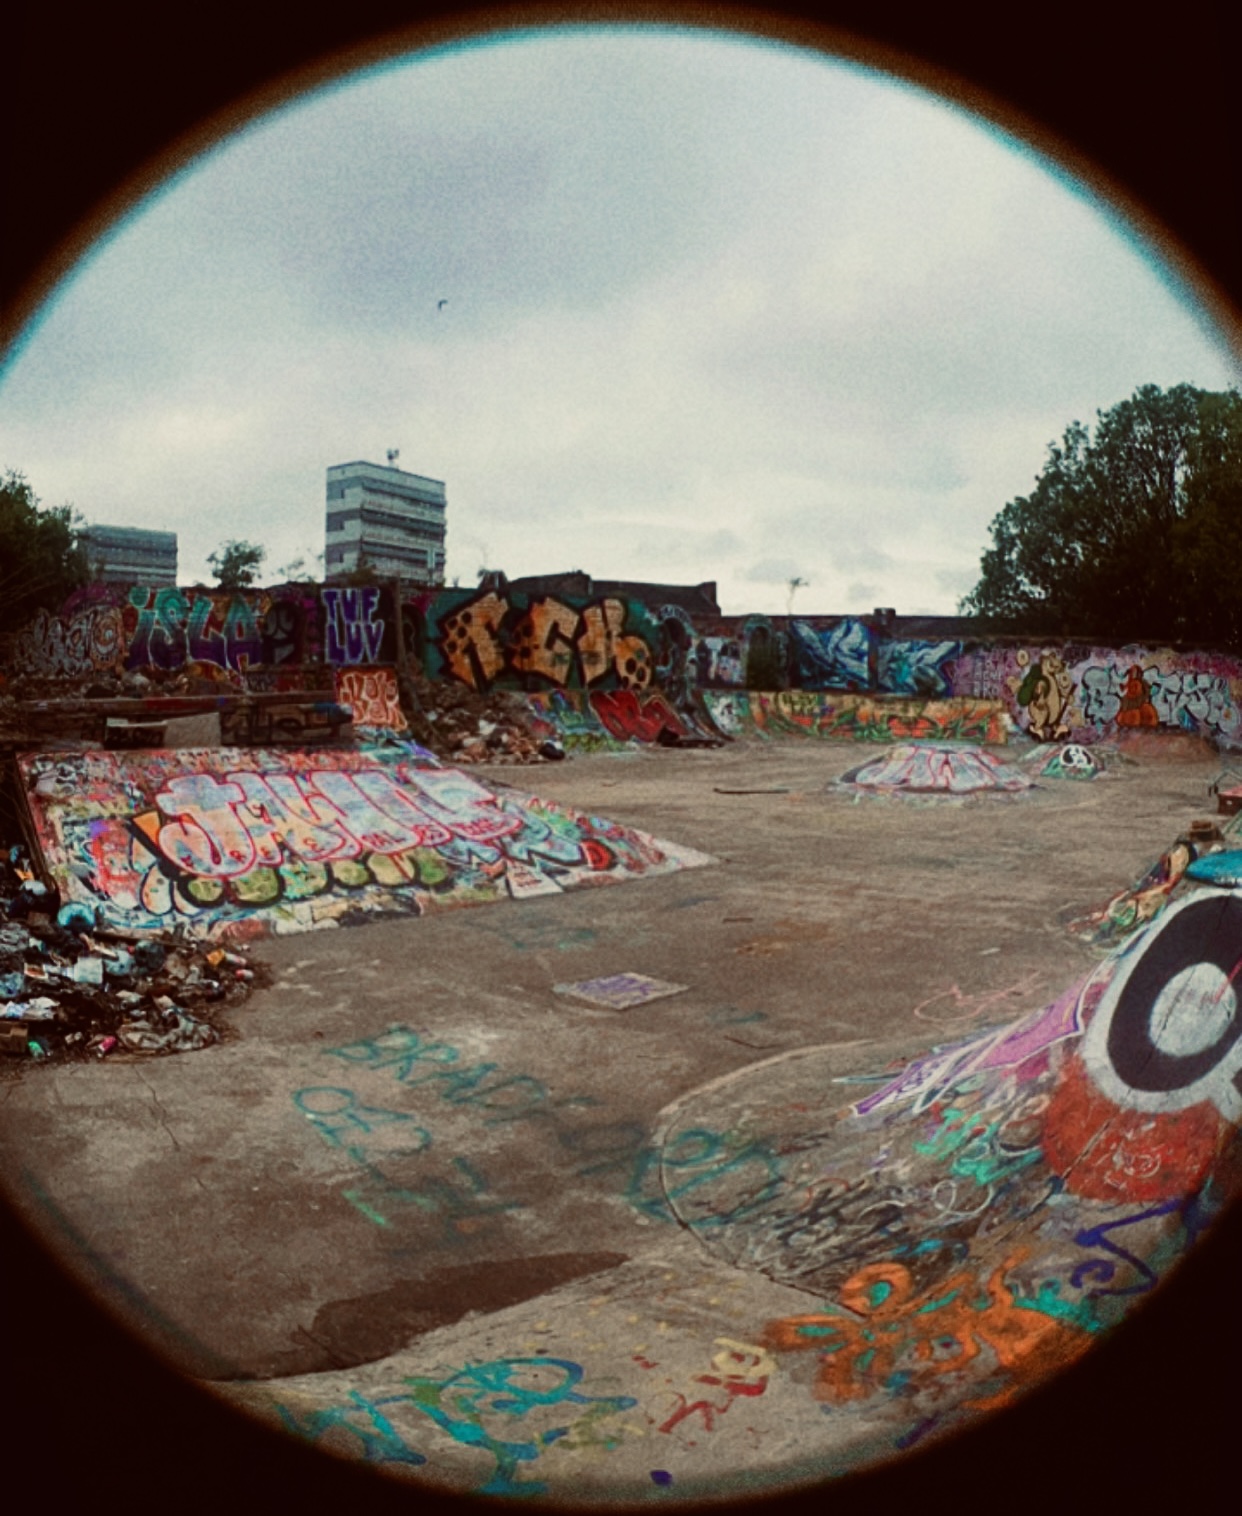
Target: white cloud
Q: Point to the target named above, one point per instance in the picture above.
(713, 309)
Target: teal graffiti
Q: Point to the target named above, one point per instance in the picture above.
(381, 1442)
(659, 1176)
(459, 1203)
(977, 1156)
(416, 1062)
(338, 1114)
(503, 1392)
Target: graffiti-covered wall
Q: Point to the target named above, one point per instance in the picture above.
(1070, 692)
(229, 634)
(501, 639)
(491, 639)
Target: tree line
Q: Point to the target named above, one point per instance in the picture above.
(1133, 532)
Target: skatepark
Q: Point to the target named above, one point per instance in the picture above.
(826, 1134)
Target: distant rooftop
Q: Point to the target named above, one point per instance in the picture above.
(693, 598)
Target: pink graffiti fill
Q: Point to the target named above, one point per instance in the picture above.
(222, 828)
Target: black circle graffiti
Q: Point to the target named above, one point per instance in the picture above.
(1207, 932)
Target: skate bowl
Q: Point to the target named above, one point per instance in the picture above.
(972, 1220)
(872, 1250)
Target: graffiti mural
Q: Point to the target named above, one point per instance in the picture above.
(248, 841)
(88, 641)
(1044, 691)
(514, 1408)
(925, 767)
(834, 657)
(174, 628)
(224, 634)
(370, 695)
(915, 668)
(738, 1369)
(627, 715)
(981, 1213)
(719, 662)
(674, 667)
(569, 718)
(1082, 694)
(515, 641)
(884, 1338)
(865, 718)
(353, 625)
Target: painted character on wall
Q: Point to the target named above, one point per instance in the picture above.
(1044, 691)
(1136, 705)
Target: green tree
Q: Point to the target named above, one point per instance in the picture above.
(236, 564)
(42, 559)
(1124, 534)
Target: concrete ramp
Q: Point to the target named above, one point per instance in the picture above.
(616, 720)
(972, 1220)
(854, 717)
(245, 842)
(921, 768)
(567, 717)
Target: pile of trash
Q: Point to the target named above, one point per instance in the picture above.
(462, 726)
(70, 989)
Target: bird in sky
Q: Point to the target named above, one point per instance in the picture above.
(441, 304)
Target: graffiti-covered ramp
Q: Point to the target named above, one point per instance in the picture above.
(968, 1221)
(935, 768)
(248, 842)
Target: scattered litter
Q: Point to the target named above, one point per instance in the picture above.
(42, 1009)
(14, 939)
(76, 916)
(777, 791)
(179, 1033)
(618, 992)
(83, 985)
(13, 1039)
(88, 971)
(986, 952)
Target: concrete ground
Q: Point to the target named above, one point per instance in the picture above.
(420, 1164)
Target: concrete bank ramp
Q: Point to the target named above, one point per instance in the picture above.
(244, 842)
(874, 1251)
(854, 717)
(972, 1220)
(933, 768)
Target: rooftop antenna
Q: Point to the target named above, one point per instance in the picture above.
(393, 454)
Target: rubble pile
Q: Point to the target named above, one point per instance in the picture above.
(462, 726)
(71, 990)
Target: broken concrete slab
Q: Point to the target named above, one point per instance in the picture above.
(619, 992)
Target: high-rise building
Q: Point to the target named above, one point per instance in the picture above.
(131, 554)
(390, 520)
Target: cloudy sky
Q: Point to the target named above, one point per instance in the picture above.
(714, 310)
